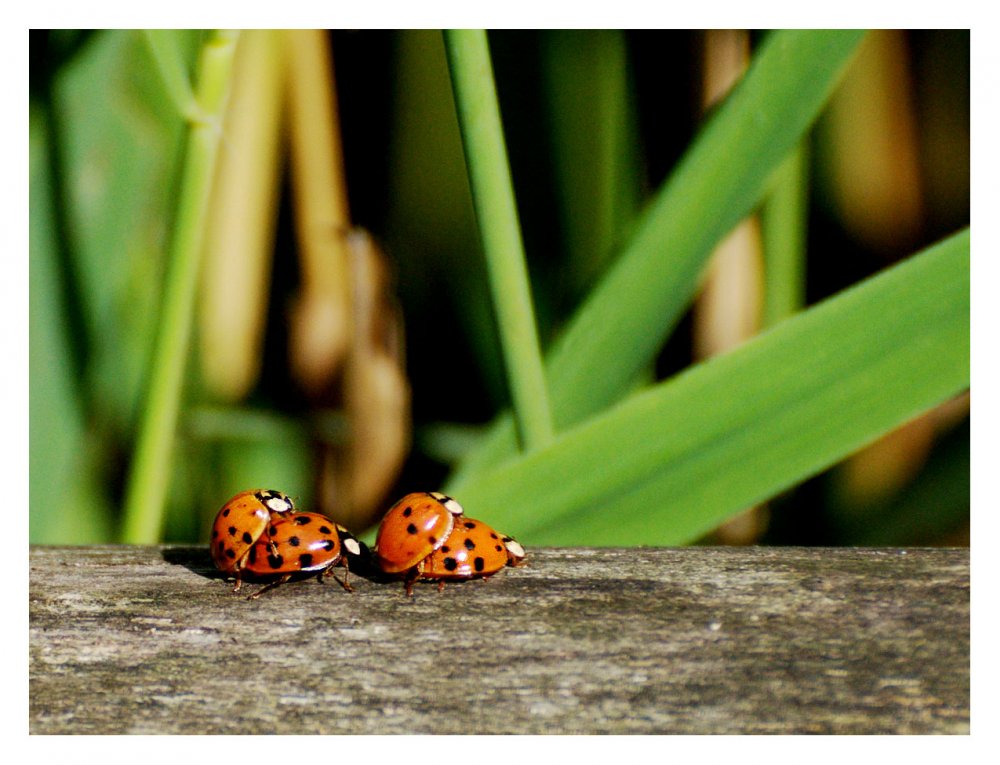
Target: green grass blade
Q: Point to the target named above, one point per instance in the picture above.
(672, 462)
(625, 320)
(170, 60)
(783, 227)
(496, 212)
(151, 468)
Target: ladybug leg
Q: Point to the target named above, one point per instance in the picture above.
(329, 572)
(238, 571)
(269, 586)
(411, 576)
(347, 572)
(345, 584)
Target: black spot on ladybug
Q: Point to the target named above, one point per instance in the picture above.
(231, 554)
(275, 561)
(479, 564)
(470, 525)
(252, 557)
(293, 541)
(215, 533)
(493, 535)
(469, 544)
(272, 530)
(232, 531)
(432, 540)
(325, 530)
(247, 538)
(446, 549)
(305, 560)
(411, 529)
(450, 563)
(302, 520)
(328, 544)
(498, 548)
(225, 513)
(407, 512)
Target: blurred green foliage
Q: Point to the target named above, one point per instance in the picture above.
(595, 122)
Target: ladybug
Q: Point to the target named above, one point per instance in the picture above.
(473, 550)
(301, 542)
(413, 528)
(240, 524)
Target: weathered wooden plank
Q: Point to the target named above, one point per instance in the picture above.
(694, 640)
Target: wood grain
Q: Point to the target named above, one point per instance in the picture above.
(693, 640)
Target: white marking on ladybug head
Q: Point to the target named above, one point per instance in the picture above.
(275, 501)
(450, 504)
(352, 546)
(514, 547)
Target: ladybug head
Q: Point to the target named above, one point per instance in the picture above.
(450, 504)
(275, 501)
(515, 552)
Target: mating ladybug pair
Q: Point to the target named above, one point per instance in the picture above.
(427, 536)
(423, 536)
(259, 532)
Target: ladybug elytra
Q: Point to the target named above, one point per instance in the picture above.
(301, 543)
(473, 550)
(413, 528)
(240, 523)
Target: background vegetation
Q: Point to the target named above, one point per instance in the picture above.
(725, 315)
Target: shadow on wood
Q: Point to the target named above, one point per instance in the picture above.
(194, 559)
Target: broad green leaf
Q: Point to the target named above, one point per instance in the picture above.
(122, 138)
(66, 502)
(101, 165)
(625, 320)
(672, 462)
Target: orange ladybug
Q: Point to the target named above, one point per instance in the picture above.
(240, 523)
(301, 543)
(472, 550)
(412, 529)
